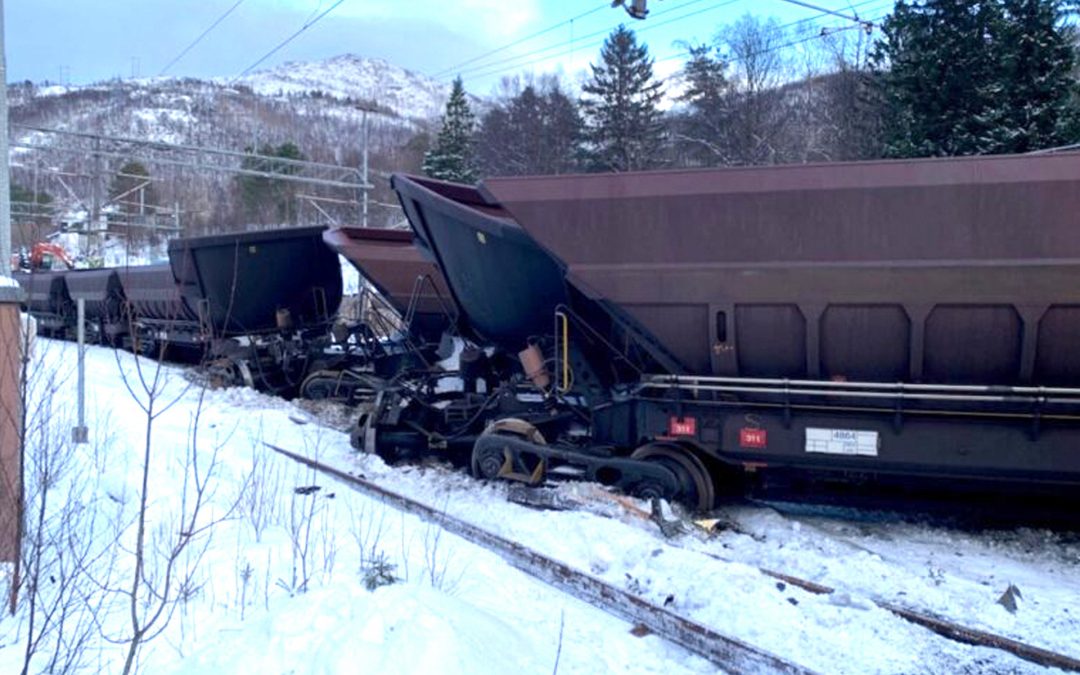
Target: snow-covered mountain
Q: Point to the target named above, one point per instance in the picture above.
(345, 77)
(315, 105)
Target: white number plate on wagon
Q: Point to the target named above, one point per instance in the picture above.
(842, 441)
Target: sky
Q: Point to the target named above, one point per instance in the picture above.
(84, 41)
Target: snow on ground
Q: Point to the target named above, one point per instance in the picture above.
(154, 115)
(462, 609)
(955, 574)
(55, 90)
(839, 633)
(278, 585)
(350, 277)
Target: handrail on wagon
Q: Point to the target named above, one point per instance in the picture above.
(414, 300)
(564, 311)
(879, 390)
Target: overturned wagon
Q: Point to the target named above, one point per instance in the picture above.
(904, 319)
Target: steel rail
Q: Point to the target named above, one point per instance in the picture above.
(944, 627)
(728, 653)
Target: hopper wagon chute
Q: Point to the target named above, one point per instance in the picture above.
(404, 280)
(48, 299)
(258, 282)
(402, 320)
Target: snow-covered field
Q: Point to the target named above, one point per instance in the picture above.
(275, 581)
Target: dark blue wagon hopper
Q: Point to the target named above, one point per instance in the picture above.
(505, 286)
(258, 282)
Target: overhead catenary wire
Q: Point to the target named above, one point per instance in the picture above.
(281, 45)
(795, 42)
(574, 42)
(199, 39)
(825, 10)
(506, 65)
(786, 45)
(503, 65)
(654, 25)
(452, 69)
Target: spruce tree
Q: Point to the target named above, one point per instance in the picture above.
(268, 200)
(1039, 89)
(940, 74)
(621, 106)
(130, 185)
(563, 132)
(452, 157)
(964, 78)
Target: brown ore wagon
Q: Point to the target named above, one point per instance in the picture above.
(388, 260)
(894, 319)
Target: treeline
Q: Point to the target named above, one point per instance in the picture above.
(934, 78)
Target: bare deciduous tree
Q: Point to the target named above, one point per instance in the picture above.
(166, 560)
(758, 65)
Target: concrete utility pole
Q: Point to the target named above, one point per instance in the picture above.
(5, 177)
(80, 434)
(364, 219)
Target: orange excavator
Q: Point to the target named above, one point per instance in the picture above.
(43, 255)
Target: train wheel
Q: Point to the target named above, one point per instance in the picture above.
(322, 385)
(147, 347)
(343, 387)
(490, 461)
(696, 488)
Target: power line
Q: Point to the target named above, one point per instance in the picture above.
(503, 65)
(575, 42)
(824, 10)
(201, 36)
(289, 39)
(786, 45)
(445, 71)
(508, 64)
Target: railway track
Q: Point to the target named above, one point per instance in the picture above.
(726, 652)
(937, 624)
(948, 629)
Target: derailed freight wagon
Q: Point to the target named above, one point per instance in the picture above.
(256, 307)
(897, 319)
(401, 315)
(407, 286)
(260, 303)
